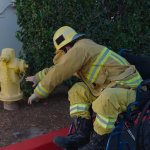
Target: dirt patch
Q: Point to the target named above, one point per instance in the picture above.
(33, 120)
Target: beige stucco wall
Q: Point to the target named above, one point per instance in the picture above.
(8, 26)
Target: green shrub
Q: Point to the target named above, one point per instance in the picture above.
(114, 23)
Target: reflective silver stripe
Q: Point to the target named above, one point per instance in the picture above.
(96, 66)
(41, 90)
(118, 58)
(105, 122)
(136, 81)
(132, 82)
(41, 74)
(79, 108)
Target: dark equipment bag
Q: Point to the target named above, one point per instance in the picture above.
(142, 64)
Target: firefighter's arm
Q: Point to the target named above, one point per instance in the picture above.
(37, 77)
(71, 62)
(41, 74)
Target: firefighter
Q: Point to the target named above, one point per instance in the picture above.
(108, 86)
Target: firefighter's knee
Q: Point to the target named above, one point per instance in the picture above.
(103, 104)
(79, 93)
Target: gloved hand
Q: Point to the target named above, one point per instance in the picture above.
(32, 98)
(32, 79)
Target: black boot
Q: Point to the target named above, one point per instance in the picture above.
(97, 142)
(79, 138)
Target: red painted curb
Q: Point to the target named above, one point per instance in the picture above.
(43, 142)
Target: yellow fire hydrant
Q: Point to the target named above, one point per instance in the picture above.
(10, 70)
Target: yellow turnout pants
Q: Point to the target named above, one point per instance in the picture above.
(107, 106)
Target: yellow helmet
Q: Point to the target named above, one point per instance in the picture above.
(64, 36)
